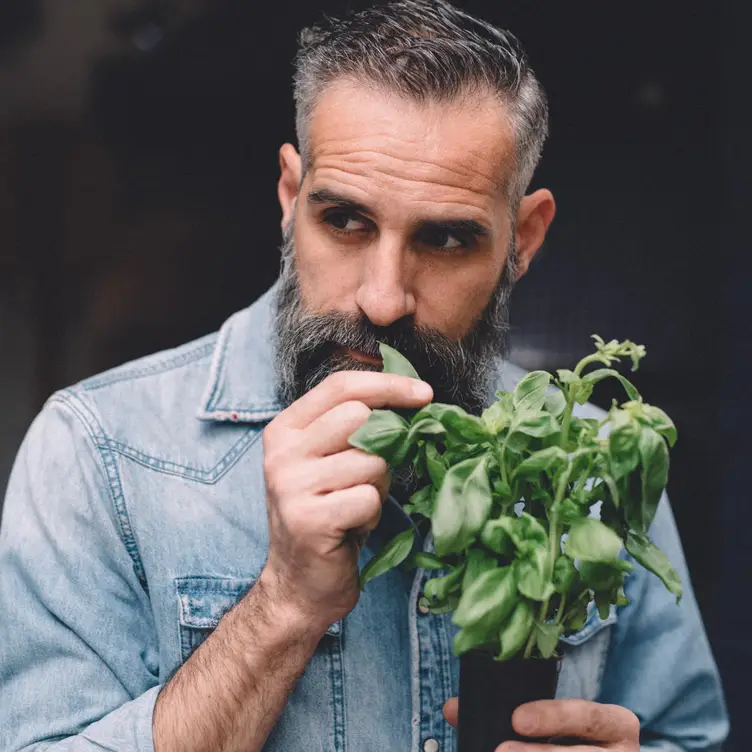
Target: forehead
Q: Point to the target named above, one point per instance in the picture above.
(459, 151)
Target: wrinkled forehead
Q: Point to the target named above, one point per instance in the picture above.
(465, 142)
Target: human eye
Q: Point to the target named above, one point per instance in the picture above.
(345, 221)
(447, 239)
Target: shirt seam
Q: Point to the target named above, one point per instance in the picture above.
(90, 422)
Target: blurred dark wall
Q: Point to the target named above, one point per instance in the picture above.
(138, 209)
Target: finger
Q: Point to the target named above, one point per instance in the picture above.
(451, 711)
(330, 432)
(586, 720)
(373, 388)
(356, 508)
(346, 469)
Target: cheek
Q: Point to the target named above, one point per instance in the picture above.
(325, 276)
(452, 301)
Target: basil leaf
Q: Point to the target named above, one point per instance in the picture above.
(555, 403)
(477, 562)
(547, 638)
(498, 416)
(590, 540)
(439, 588)
(565, 574)
(603, 373)
(530, 392)
(659, 422)
(472, 637)
(425, 427)
(435, 464)
(421, 502)
(395, 362)
(488, 599)
(425, 560)
(622, 444)
(392, 555)
(460, 424)
(515, 632)
(653, 474)
(604, 576)
(654, 560)
(495, 536)
(384, 434)
(463, 504)
(545, 460)
(527, 533)
(532, 575)
(536, 423)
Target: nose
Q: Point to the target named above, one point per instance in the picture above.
(385, 292)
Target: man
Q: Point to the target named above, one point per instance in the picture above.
(182, 535)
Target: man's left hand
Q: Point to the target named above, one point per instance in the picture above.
(610, 728)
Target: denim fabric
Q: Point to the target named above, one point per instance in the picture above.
(136, 517)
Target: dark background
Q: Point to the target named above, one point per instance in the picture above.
(138, 159)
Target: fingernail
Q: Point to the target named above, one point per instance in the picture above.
(421, 390)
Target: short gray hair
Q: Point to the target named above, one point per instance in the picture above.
(424, 49)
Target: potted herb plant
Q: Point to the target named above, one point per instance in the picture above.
(530, 509)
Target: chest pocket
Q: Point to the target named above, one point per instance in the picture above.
(203, 601)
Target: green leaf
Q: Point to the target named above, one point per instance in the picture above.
(603, 603)
(604, 576)
(425, 560)
(653, 474)
(568, 511)
(590, 540)
(532, 575)
(463, 504)
(395, 362)
(472, 637)
(565, 574)
(495, 536)
(545, 460)
(516, 630)
(654, 560)
(547, 638)
(438, 589)
(448, 605)
(421, 502)
(530, 392)
(594, 377)
(659, 422)
(477, 562)
(384, 434)
(536, 423)
(527, 533)
(458, 423)
(435, 464)
(622, 443)
(576, 616)
(488, 600)
(425, 427)
(555, 403)
(392, 555)
(499, 415)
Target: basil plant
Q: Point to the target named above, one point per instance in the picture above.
(530, 507)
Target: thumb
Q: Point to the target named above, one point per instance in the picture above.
(451, 709)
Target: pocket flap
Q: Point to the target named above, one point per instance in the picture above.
(205, 600)
(593, 625)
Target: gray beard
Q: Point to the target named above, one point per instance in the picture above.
(308, 347)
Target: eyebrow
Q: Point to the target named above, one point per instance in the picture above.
(325, 196)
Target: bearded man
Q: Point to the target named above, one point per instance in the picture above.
(182, 535)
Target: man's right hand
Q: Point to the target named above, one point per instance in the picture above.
(324, 496)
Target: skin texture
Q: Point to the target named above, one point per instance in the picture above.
(410, 167)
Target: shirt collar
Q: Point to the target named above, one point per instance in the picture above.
(242, 384)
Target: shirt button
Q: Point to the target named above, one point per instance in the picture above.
(424, 608)
(430, 745)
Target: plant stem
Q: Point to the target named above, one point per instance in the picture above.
(560, 612)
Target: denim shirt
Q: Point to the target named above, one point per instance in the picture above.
(136, 517)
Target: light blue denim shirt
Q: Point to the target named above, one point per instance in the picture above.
(136, 517)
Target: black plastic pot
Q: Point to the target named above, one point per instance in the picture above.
(491, 690)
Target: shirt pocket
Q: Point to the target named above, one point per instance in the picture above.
(204, 600)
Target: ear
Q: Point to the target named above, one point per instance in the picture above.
(534, 217)
(289, 181)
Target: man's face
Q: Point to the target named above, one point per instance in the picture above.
(402, 233)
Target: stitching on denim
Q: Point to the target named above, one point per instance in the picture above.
(207, 476)
(82, 411)
(129, 374)
(338, 695)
